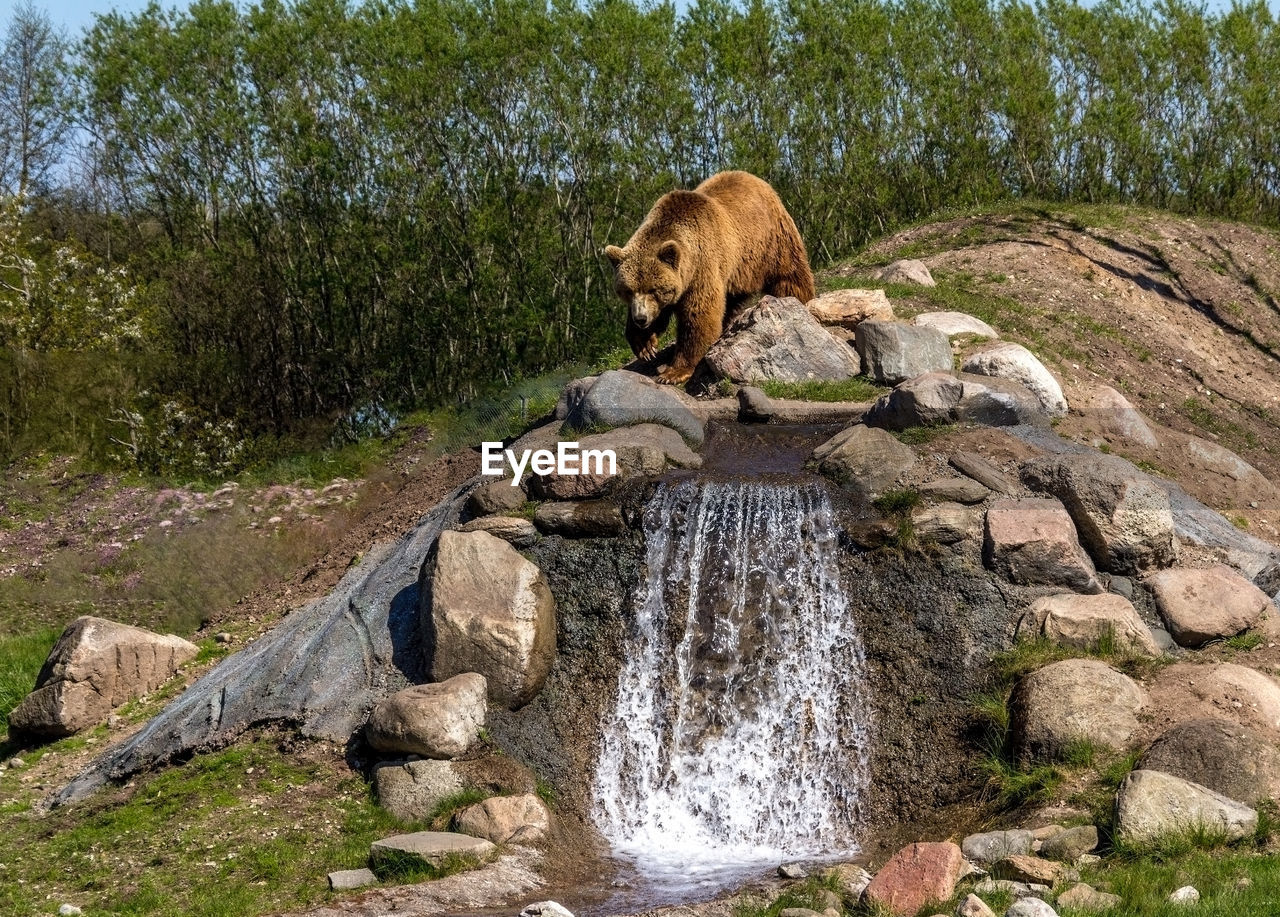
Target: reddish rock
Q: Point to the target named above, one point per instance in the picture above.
(915, 876)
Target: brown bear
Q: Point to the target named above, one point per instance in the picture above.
(699, 255)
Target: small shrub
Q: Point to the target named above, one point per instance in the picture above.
(897, 503)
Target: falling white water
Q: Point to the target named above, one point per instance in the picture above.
(740, 732)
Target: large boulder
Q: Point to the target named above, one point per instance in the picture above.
(436, 721)
(1241, 762)
(1085, 621)
(863, 459)
(1124, 518)
(411, 790)
(1069, 701)
(905, 270)
(486, 609)
(1152, 806)
(506, 819)
(849, 308)
(1238, 691)
(779, 339)
(936, 398)
(96, 666)
(953, 324)
(894, 352)
(1015, 362)
(1249, 483)
(619, 398)
(1033, 542)
(1202, 605)
(914, 876)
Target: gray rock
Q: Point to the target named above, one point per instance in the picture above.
(1125, 520)
(1083, 897)
(792, 871)
(1030, 907)
(863, 459)
(546, 909)
(1067, 701)
(956, 323)
(1117, 418)
(779, 339)
(1151, 806)
(893, 352)
(95, 666)
(1240, 761)
(347, 879)
(496, 497)
(851, 879)
(849, 308)
(438, 720)
(955, 490)
(1016, 890)
(411, 790)
(905, 270)
(581, 519)
(1033, 542)
(433, 848)
(1016, 363)
(506, 819)
(320, 670)
(981, 470)
(927, 400)
(486, 609)
(1084, 621)
(1185, 895)
(1202, 605)
(619, 398)
(996, 402)
(1071, 844)
(754, 406)
(516, 531)
(1121, 586)
(973, 906)
(991, 846)
(946, 523)
(68, 910)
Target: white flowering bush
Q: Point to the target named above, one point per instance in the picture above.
(173, 440)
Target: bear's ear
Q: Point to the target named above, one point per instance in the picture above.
(614, 254)
(669, 253)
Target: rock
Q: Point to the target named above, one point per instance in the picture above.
(1121, 586)
(619, 398)
(1151, 805)
(1069, 845)
(849, 308)
(973, 906)
(1083, 897)
(998, 402)
(581, 519)
(433, 848)
(990, 846)
(438, 720)
(850, 878)
(68, 910)
(792, 871)
(411, 790)
(955, 323)
(1030, 869)
(955, 490)
(916, 875)
(1116, 417)
(988, 475)
(1033, 542)
(546, 909)
(496, 497)
(1044, 832)
(1015, 362)
(347, 879)
(1124, 518)
(1242, 762)
(1067, 701)
(643, 450)
(778, 339)
(95, 666)
(798, 912)
(514, 530)
(893, 352)
(1242, 688)
(754, 406)
(488, 610)
(1030, 907)
(863, 459)
(506, 819)
(1084, 621)
(1202, 605)
(928, 400)
(905, 270)
(946, 523)
(1009, 887)
(1185, 895)
(1210, 458)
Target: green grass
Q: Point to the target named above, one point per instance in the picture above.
(899, 502)
(446, 808)
(20, 660)
(807, 893)
(1249, 640)
(918, 436)
(856, 389)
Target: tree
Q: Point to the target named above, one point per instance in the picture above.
(34, 104)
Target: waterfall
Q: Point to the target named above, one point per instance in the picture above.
(740, 731)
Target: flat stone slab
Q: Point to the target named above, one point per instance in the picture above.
(432, 847)
(345, 879)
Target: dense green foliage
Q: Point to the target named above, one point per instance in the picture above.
(323, 205)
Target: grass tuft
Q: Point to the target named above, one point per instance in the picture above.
(20, 660)
(856, 389)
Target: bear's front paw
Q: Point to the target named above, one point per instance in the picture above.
(673, 376)
(648, 352)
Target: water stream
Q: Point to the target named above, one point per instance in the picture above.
(739, 735)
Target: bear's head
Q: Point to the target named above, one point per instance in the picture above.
(648, 278)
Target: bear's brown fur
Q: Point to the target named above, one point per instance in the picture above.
(698, 256)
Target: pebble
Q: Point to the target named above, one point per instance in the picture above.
(1185, 895)
(17, 763)
(546, 909)
(792, 871)
(69, 910)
